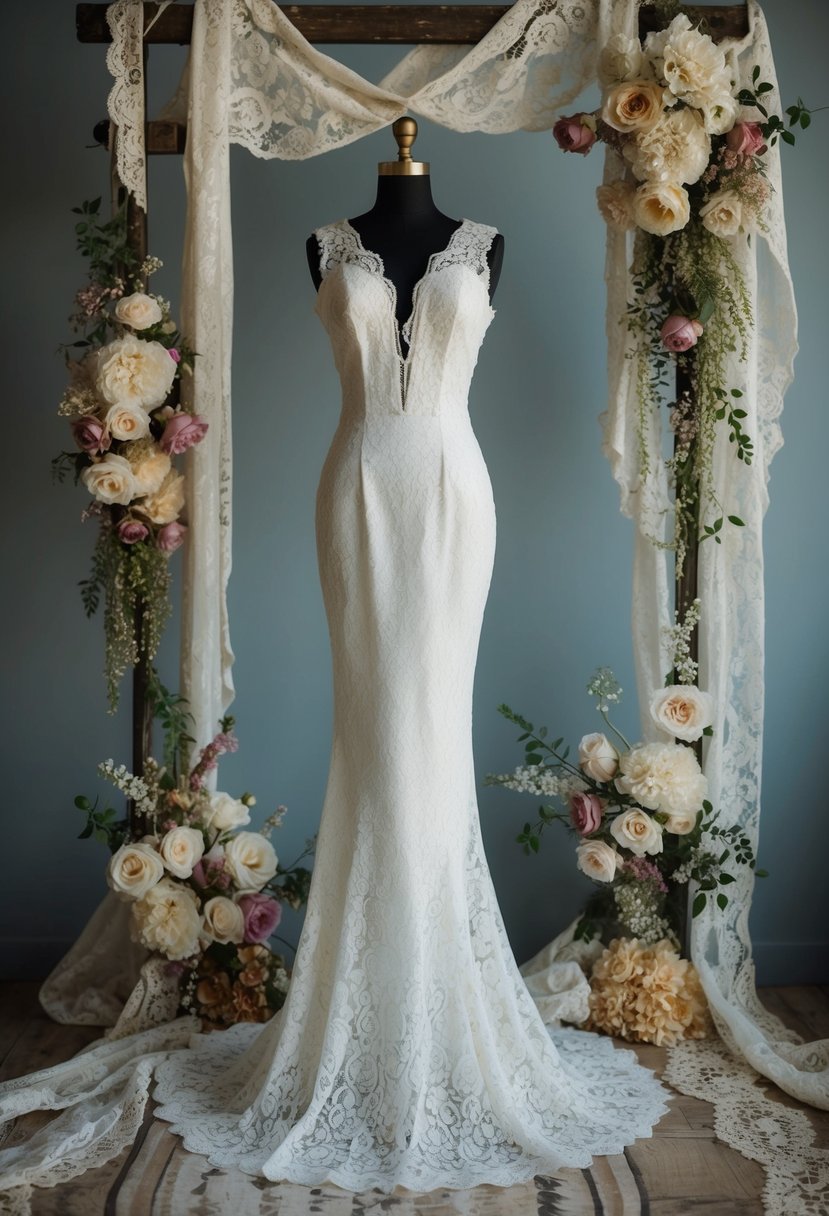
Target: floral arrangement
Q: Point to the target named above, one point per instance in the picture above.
(127, 428)
(640, 811)
(206, 893)
(691, 144)
(648, 994)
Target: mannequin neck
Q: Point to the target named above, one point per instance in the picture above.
(406, 198)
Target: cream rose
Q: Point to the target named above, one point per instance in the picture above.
(111, 480)
(682, 823)
(722, 214)
(598, 757)
(621, 59)
(225, 813)
(719, 112)
(634, 105)
(616, 204)
(150, 467)
(251, 860)
(597, 860)
(163, 506)
(139, 311)
(127, 421)
(661, 207)
(133, 870)
(676, 149)
(637, 831)
(130, 369)
(180, 849)
(167, 920)
(663, 777)
(682, 710)
(224, 920)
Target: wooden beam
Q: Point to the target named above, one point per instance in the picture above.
(390, 23)
(162, 138)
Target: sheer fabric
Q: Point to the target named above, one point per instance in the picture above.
(254, 80)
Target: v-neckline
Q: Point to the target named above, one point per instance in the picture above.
(391, 287)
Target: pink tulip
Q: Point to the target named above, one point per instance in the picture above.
(746, 139)
(586, 812)
(132, 530)
(171, 536)
(182, 431)
(262, 915)
(680, 333)
(572, 134)
(90, 434)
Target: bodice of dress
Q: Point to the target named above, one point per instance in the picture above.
(449, 316)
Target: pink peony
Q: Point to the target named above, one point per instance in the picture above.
(171, 536)
(132, 530)
(572, 134)
(262, 915)
(586, 812)
(746, 139)
(182, 431)
(90, 434)
(680, 333)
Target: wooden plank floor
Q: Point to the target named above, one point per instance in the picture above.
(684, 1170)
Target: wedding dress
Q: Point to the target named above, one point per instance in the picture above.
(409, 1051)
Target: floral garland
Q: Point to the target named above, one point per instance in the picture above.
(694, 184)
(128, 428)
(205, 895)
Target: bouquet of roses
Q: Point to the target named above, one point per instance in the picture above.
(640, 812)
(127, 428)
(206, 892)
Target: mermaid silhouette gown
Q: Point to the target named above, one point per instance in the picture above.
(409, 1051)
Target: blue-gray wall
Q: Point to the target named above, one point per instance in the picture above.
(559, 604)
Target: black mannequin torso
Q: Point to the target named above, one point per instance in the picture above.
(404, 227)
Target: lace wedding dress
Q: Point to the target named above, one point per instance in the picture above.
(409, 1050)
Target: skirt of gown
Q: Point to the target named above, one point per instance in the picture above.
(409, 1051)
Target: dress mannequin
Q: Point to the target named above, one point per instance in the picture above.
(404, 227)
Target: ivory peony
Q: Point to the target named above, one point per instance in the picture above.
(180, 849)
(621, 60)
(635, 105)
(682, 710)
(661, 207)
(616, 204)
(692, 65)
(224, 921)
(676, 149)
(637, 831)
(167, 920)
(722, 214)
(251, 860)
(150, 467)
(111, 480)
(663, 777)
(139, 311)
(163, 506)
(133, 870)
(132, 370)
(597, 860)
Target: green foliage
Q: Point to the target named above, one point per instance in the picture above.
(170, 710)
(102, 824)
(104, 243)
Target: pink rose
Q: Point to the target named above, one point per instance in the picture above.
(680, 333)
(262, 914)
(171, 536)
(573, 134)
(746, 139)
(210, 868)
(90, 434)
(132, 530)
(182, 431)
(586, 812)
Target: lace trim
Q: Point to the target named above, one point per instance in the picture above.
(781, 1139)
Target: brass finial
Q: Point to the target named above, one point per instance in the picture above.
(405, 132)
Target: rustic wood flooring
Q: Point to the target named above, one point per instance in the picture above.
(684, 1170)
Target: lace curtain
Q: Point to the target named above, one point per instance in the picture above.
(252, 79)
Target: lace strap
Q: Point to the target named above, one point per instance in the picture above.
(339, 243)
(470, 246)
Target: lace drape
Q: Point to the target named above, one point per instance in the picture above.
(254, 80)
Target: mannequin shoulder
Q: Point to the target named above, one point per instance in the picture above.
(314, 255)
(495, 258)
